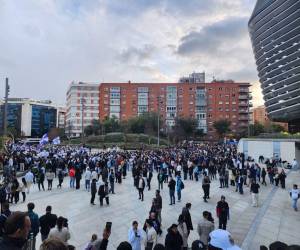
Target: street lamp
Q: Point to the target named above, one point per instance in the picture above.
(82, 112)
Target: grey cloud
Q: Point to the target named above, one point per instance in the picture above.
(215, 38)
(137, 55)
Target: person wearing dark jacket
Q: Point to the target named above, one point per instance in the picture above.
(47, 221)
(172, 185)
(222, 213)
(78, 177)
(35, 224)
(158, 205)
(173, 239)
(3, 217)
(93, 191)
(187, 217)
(17, 228)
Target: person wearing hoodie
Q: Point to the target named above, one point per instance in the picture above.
(173, 239)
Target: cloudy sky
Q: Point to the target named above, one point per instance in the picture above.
(45, 44)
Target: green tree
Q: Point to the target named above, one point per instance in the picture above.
(222, 127)
(275, 128)
(111, 125)
(256, 129)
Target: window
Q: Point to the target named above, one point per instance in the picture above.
(220, 88)
(114, 108)
(220, 102)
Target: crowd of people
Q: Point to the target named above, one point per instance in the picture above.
(101, 171)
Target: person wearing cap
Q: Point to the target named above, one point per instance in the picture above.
(222, 212)
(173, 239)
(151, 235)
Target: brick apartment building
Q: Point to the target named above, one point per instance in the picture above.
(259, 114)
(207, 102)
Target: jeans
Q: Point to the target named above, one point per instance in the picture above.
(172, 197)
(294, 203)
(72, 182)
(179, 195)
(87, 185)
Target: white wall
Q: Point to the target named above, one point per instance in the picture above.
(287, 151)
(265, 148)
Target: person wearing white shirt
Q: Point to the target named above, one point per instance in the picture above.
(135, 236)
(178, 169)
(151, 235)
(295, 195)
(60, 231)
(295, 164)
(94, 175)
(29, 180)
(88, 176)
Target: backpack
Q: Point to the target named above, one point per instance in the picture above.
(182, 185)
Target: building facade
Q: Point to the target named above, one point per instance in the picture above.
(206, 102)
(275, 34)
(82, 107)
(259, 114)
(193, 78)
(30, 118)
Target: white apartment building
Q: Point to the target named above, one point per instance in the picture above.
(82, 102)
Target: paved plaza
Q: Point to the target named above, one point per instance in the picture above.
(250, 227)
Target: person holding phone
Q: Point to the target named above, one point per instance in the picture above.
(135, 236)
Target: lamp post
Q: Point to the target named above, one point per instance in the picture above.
(158, 116)
(5, 107)
(82, 126)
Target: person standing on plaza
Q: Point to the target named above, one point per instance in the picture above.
(179, 187)
(41, 179)
(111, 178)
(151, 235)
(222, 213)
(159, 205)
(173, 239)
(254, 189)
(61, 231)
(22, 188)
(3, 217)
(205, 227)
(35, 224)
(87, 177)
(141, 187)
(171, 185)
(282, 177)
(72, 177)
(47, 221)
(295, 195)
(149, 178)
(78, 176)
(135, 236)
(60, 178)
(263, 176)
(187, 217)
(29, 180)
(206, 187)
(93, 191)
(160, 179)
(50, 176)
(182, 229)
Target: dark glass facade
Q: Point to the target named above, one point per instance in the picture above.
(42, 120)
(14, 114)
(275, 34)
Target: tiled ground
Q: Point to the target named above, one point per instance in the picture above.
(279, 222)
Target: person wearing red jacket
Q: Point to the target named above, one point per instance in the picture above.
(72, 177)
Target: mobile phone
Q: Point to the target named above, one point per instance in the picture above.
(108, 226)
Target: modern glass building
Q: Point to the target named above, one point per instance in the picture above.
(42, 120)
(14, 112)
(275, 34)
